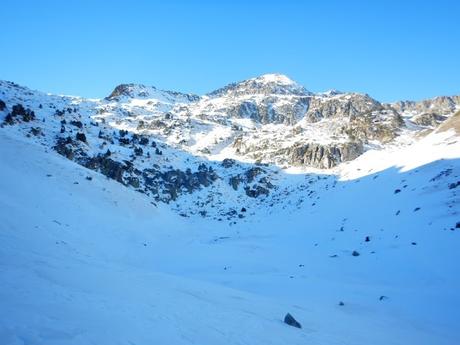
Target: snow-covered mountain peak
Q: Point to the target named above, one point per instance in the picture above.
(267, 84)
(274, 78)
(140, 91)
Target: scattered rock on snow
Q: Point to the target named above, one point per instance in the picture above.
(289, 319)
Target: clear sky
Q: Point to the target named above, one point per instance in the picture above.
(389, 49)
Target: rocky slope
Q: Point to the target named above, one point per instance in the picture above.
(227, 148)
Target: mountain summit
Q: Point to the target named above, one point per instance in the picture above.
(267, 84)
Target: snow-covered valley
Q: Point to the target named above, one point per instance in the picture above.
(364, 252)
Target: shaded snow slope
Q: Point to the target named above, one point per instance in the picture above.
(85, 260)
(78, 266)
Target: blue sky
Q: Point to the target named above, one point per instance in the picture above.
(389, 49)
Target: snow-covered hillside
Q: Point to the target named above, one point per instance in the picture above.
(117, 232)
(216, 154)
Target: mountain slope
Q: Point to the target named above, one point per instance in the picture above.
(228, 149)
(93, 262)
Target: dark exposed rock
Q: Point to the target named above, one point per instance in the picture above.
(133, 181)
(454, 185)
(19, 113)
(124, 141)
(2, 105)
(81, 137)
(289, 319)
(144, 141)
(76, 123)
(65, 147)
(256, 191)
(355, 253)
(228, 162)
(107, 166)
(235, 181)
(252, 173)
(35, 131)
(176, 181)
(138, 151)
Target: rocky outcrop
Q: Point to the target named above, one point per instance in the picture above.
(255, 182)
(429, 119)
(321, 156)
(269, 110)
(343, 105)
(19, 113)
(108, 167)
(443, 105)
(381, 125)
(177, 181)
(163, 185)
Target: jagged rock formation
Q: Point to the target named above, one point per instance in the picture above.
(322, 156)
(443, 105)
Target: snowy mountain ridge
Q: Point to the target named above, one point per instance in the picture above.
(228, 148)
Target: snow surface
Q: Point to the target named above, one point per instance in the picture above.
(92, 262)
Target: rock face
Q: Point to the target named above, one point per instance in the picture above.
(341, 105)
(322, 156)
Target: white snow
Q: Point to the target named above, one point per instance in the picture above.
(86, 260)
